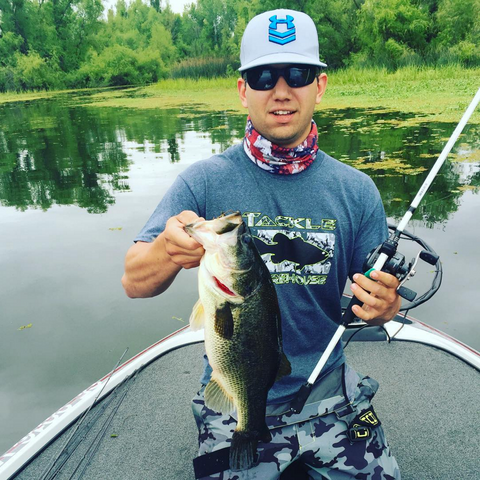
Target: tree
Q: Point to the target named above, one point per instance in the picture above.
(391, 32)
(458, 24)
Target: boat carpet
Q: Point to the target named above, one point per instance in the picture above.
(427, 402)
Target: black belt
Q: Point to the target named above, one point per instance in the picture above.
(210, 463)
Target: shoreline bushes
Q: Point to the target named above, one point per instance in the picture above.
(72, 44)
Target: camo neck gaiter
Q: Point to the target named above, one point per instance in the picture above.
(276, 159)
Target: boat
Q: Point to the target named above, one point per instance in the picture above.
(136, 422)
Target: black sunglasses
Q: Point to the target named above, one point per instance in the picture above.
(266, 77)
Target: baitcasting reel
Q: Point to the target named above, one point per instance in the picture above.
(396, 265)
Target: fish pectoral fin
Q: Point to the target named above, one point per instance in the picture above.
(224, 321)
(217, 399)
(197, 317)
(284, 368)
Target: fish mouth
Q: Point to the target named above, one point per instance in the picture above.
(217, 278)
(205, 230)
(232, 215)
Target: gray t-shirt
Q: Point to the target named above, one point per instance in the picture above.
(313, 229)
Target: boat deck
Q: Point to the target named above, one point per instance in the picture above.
(427, 402)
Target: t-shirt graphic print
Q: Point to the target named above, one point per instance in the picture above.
(292, 254)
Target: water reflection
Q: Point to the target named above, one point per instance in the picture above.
(66, 282)
(397, 152)
(57, 152)
(50, 154)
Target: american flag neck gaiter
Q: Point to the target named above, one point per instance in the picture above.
(276, 159)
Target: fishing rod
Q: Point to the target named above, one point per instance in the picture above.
(70, 445)
(386, 258)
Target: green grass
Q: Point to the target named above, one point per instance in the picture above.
(197, 85)
(439, 94)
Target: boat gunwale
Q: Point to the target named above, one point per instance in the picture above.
(24, 451)
(27, 448)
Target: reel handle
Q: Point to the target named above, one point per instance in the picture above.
(429, 257)
(406, 293)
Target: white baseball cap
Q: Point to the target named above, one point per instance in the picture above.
(280, 36)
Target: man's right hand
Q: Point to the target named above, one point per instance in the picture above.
(183, 250)
(150, 268)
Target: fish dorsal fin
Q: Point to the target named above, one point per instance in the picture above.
(197, 317)
(217, 399)
(285, 368)
(224, 321)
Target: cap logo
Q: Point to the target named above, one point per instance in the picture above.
(285, 36)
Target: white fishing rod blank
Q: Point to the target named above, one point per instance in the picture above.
(440, 161)
(389, 247)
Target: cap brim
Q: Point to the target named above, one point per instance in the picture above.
(280, 58)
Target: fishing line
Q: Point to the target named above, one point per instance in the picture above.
(389, 339)
(402, 325)
(95, 444)
(46, 475)
(436, 201)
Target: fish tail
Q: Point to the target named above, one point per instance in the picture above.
(243, 450)
(244, 447)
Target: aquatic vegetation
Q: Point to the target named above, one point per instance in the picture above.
(472, 188)
(393, 134)
(392, 165)
(23, 97)
(426, 94)
(467, 154)
(439, 94)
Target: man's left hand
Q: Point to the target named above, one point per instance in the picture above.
(378, 293)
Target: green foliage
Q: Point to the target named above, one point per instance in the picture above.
(457, 21)
(9, 44)
(458, 39)
(120, 65)
(335, 20)
(54, 43)
(392, 33)
(35, 73)
(134, 47)
(30, 72)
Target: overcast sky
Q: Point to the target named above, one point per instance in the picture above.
(177, 5)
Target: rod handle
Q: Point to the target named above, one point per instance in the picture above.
(297, 404)
(349, 316)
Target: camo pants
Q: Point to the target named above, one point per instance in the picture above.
(320, 441)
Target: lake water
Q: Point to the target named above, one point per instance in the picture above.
(78, 182)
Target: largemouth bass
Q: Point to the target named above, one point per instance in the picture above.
(239, 310)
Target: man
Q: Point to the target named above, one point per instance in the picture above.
(315, 219)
